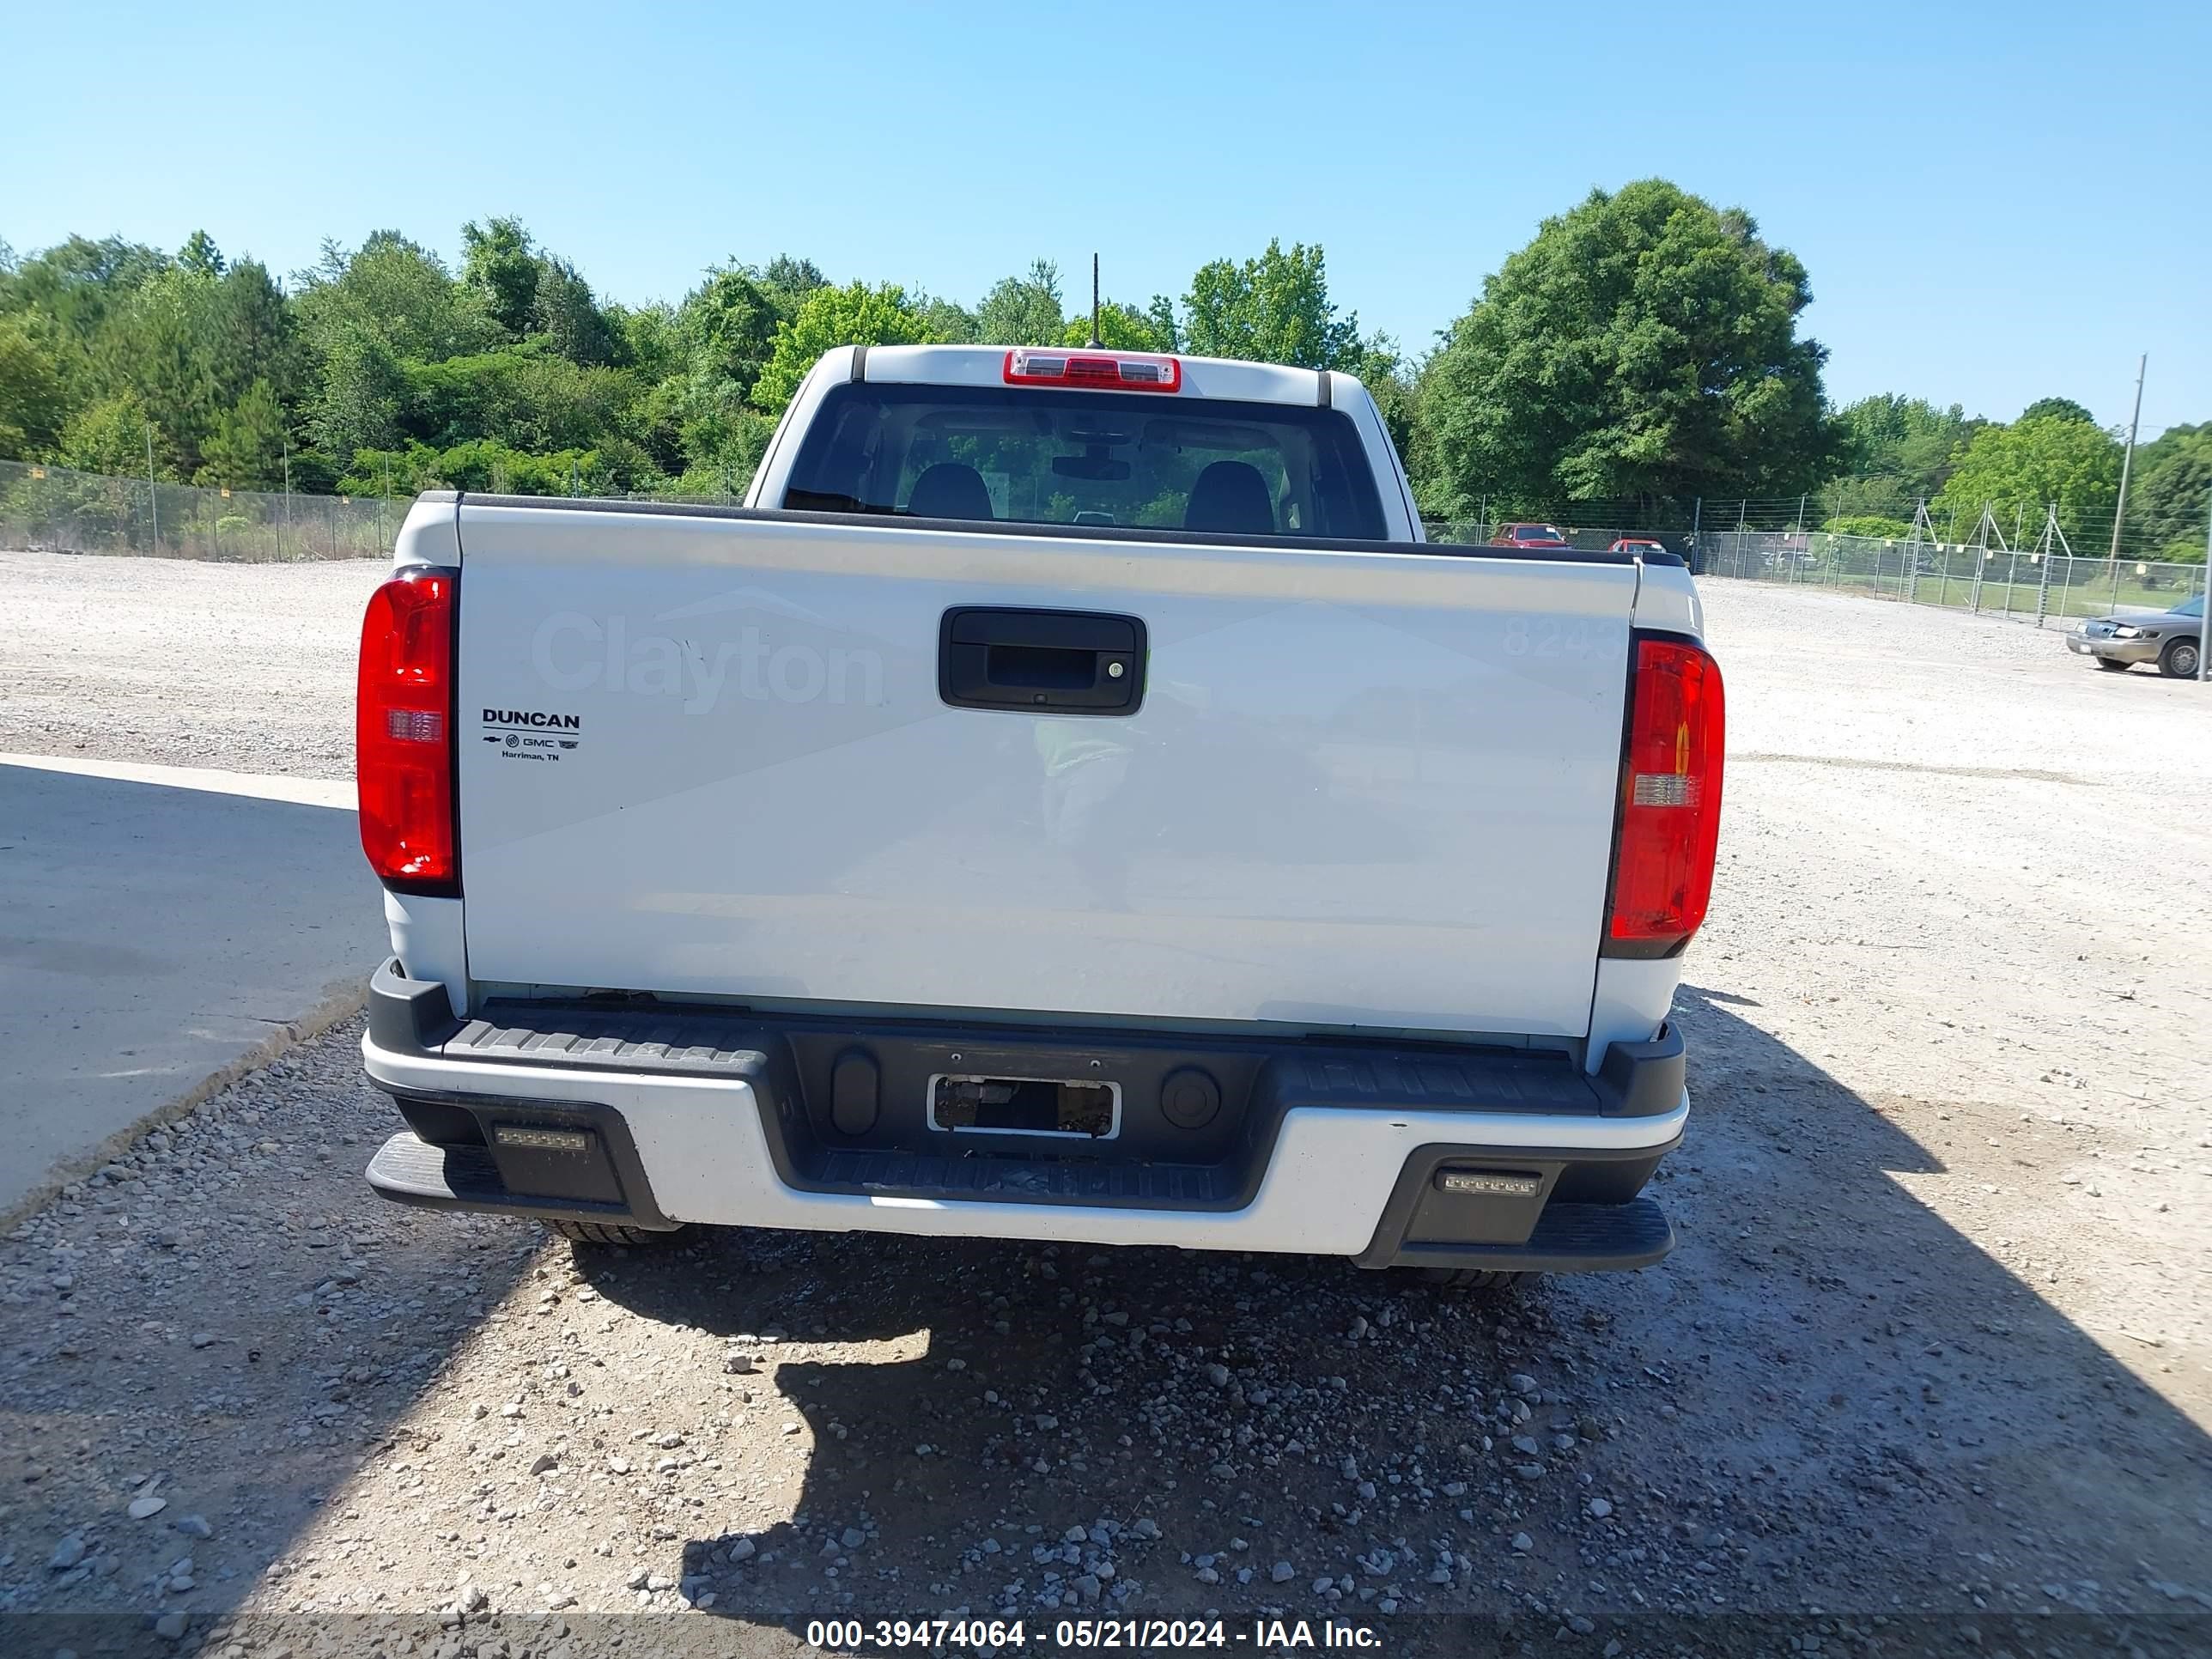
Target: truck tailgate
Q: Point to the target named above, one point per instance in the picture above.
(709, 755)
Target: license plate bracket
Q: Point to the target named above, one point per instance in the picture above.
(1065, 1108)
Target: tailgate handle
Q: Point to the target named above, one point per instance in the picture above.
(1069, 662)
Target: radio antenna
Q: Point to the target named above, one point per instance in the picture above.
(1095, 341)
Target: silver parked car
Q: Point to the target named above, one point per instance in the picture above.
(2168, 638)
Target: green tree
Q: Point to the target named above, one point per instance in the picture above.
(1872, 524)
(500, 263)
(1390, 380)
(948, 321)
(1898, 451)
(200, 254)
(524, 395)
(1274, 309)
(2059, 408)
(111, 436)
(246, 448)
(1124, 328)
(791, 277)
(1023, 310)
(33, 403)
(650, 344)
(190, 340)
(2170, 497)
(77, 284)
(727, 329)
(2014, 470)
(565, 312)
(1644, 345)
(854, 315)
(397, 291)
(356, 404)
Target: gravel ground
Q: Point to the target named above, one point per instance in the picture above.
(1929, 1373)
(178, 663)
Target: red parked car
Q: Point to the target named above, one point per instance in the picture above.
(1640, 545)
(1528, 535)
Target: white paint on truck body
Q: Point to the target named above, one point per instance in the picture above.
(706, 1158)
(1365, 788)
(1368, 788)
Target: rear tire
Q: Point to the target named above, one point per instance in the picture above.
(603, 1233)
(2180, 662)
(2110, 664)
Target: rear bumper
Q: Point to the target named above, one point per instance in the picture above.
(657, 1117)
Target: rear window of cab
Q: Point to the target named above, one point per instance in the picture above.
(1034, 455)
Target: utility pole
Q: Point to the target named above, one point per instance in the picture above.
(2127, 466)
(2204, 617)
(288, 487)
(1981, 555)
(1912, 550)
(153, 499)
(2045, 550)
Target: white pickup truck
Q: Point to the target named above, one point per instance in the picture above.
(1068, 801)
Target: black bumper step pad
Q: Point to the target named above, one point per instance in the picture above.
(410, 1170)
(1567, 1238)
(699, 1044)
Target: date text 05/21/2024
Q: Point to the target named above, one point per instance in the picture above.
(1262, 1635)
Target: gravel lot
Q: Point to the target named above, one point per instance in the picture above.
(245, 667)
(1929, 1373)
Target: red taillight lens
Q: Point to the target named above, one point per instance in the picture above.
(1099, 371)
(404, 732)
(1670, 819)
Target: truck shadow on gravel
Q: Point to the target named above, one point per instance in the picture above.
(1072, 1418)
(1828, 1396)
(1877, 1401)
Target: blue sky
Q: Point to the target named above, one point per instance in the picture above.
(1994, 203)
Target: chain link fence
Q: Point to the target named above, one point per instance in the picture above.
(1774, 540)
(54, 509)
(2021, 584)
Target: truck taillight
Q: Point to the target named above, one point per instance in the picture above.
(404, 732)
(1098, 371)
(1670, 809)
